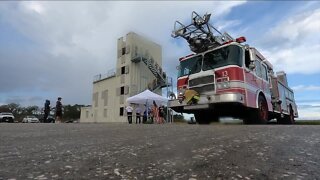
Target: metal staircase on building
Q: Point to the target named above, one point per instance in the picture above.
(161, 79)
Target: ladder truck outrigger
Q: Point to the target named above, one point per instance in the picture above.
(224, 77)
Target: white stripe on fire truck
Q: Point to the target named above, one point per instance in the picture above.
(241, 84)
(235, 84)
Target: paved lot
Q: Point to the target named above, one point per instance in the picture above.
(122, 151)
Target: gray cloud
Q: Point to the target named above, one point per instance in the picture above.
(306, 88)
(26, 100)
(70, 42)
(293, 43)
(308, 106)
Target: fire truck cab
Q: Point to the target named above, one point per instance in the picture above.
(235, 80)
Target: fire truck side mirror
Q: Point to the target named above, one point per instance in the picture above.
(252, 65)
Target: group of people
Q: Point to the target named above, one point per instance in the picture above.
(58, 110)
(155, 114)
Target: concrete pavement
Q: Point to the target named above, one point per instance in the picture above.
(170, 151)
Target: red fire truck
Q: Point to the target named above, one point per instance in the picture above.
(225, 77)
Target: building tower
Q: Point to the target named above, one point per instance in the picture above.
(138, 67)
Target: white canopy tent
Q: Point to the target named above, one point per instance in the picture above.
(147, 97)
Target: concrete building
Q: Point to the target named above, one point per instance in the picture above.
(138, 67)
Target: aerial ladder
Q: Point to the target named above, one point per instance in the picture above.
(200, 34)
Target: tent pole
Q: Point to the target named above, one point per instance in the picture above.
(147, 110)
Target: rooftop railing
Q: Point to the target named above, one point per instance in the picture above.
(109, 74)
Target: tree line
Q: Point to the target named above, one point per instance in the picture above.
(70, 112)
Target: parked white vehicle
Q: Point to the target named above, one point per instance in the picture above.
(30, 119)
(6, 117)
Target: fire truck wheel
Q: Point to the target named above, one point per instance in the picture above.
(262, 113)
(290, 117)
(287, 119)
(201, 118)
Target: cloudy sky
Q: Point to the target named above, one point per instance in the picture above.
(50, 49)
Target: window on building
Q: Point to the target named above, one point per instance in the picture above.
(105, 113)
(121, 111)
(136, 51)
(104, 97)
(95, 98)
(123, 52)
(87, 114)
(122, 90)
(123, 70)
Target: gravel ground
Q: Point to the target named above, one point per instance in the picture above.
(170, 151)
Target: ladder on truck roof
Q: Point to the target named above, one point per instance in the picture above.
(199, 33)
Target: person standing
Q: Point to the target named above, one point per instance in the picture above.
(161, 114)
(46, 110)
(138, 115)
(59, 110)
(155, 113)
(129, 110)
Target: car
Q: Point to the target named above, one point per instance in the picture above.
(6, 117)
(72, 121)
(30, 119)
(50, 119)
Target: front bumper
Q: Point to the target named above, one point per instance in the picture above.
(6, 119)
(206, 100)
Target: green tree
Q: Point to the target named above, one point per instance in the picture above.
(71, 112)
(14, 108)
(31, 110)
(4, 108)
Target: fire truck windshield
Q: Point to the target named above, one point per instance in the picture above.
(190, 66)
(230, 55)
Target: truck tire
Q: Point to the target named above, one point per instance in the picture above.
(201, 118)
(258, 116)
(287, 119)
(290, 117)
(262, 113)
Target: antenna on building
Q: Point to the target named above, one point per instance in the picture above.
(200, 33)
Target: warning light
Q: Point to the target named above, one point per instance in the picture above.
(241, 39)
